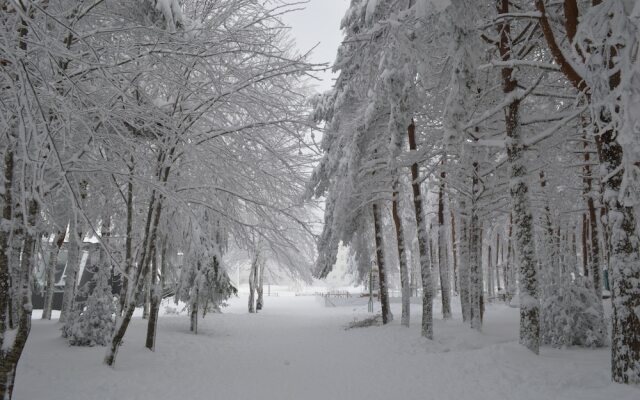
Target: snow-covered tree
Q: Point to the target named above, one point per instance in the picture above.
(92, 322)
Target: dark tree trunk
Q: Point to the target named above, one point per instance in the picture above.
(490, 289)
(498, 262)
(382, 273)
(425, 267)
(252, 283)
(464, 284)
(151, 228)
(124, 290)
(260, 287)
(15, 255)
(194, 313)
(10, 352)
(593, 267)
(443, 265)
(8, 362)
(402, 257)
(475, 257)
(146, 300)
(154, 306)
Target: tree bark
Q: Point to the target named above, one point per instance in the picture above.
(382, 273)
(10, 353)
(518, 188)
(15, 255)
(594, 266)
(464, 284)
(402, 257)
(475, 257)
(150, 234)
(252, 283)
(260, 288)
(146, 300)
(498, 262)
(490, 289)
(124, 280)
(194, 312)
(625, 270)
(425, 267)
(443, 265)
(154, 306)
(7, 362)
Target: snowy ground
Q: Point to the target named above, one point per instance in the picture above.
(299, 349)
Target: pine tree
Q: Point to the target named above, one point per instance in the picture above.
(92, 322)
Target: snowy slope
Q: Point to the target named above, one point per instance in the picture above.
(298, 349)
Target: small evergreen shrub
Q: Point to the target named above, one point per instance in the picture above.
(572, 315)
(92, 323)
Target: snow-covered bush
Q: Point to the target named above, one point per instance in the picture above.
(570, 315)
(92, 323)
(205, 283)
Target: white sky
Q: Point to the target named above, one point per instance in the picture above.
(319, 23)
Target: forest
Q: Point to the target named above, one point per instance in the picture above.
(480, 153)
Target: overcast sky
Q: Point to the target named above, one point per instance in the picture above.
(319, 23)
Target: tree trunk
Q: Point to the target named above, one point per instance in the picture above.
(58, 240)
(490, 289)
(260, 287)
(624, 258)
(475, 257)
(150, 234)
(194, 313)
(146, 301)
(252, 283)
(625, 270)
(518, 188)
(498, 288)
(454, 251)
(464, 284)
(594, 262)
(443, 265)
(585, 246)
(402, 257)
(382, 273)
(524, 239)
(10, 352)
(15, 255)
(154, 306)
(7, 362)
(425, 267)
(124, 280)
(156, 299)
